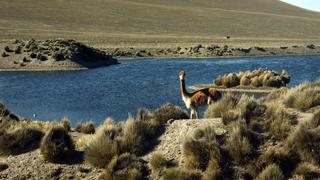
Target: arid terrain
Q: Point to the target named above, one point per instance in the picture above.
(158, 23)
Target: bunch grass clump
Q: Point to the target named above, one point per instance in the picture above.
(303, 97)
(157, 162)
(256, 78)
(237, 143)
(126, 166)
(57, 145)
(66, 124)
(271, 172)
(20, 140)
(201, 148)
(87, 128)
(227, 102)
(181, 174)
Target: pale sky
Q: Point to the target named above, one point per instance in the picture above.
(307, 4)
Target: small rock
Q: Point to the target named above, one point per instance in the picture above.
(26, 60)
(55, 172)
(4, 54)
(17, 50)
(311, 46)
(23, 64)
(33, 55)
(84, 169)
(42, 57)
(283, 47)
(7, 49)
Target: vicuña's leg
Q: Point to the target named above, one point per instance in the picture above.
(209, 100)
(192, 114)
(197, 114)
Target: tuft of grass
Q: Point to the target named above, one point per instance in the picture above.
(230, 116)
(245, 81)
(87, 128)
(271, 172)
(303, 97)
(181, 174)
(126, 166)
(101, 150)
(157, 162)
(218, 81)
(213, 170)
(305, 141)
(307, 170)
(66, 124)
(56, 145)
(286, 160)
(237, 143)
(201, 148)
(255, 82)
(20, 140)
(216, 109)
(169, 111)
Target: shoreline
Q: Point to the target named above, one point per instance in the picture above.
(214, 57)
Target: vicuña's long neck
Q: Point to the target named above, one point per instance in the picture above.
(183, 89)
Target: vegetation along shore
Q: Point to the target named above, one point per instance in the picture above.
(241, 137)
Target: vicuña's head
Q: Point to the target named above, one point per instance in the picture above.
(182, 74)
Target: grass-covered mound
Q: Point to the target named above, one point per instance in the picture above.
(135, 135)
(256, 78)
(263, 140)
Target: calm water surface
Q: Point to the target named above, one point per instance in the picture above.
(117, 90)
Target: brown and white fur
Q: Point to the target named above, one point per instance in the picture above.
(198, 98)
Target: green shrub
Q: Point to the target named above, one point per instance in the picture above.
(20, 140)
(56, 145)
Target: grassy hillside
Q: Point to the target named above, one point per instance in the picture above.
(149, 21)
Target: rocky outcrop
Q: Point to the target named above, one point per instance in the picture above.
(58, 54)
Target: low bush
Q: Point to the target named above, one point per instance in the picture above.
(307, 171)
(66, 124)
(213, 170)
(126, 166)
(303, 98)
(157, 162)
(87, 128)
(271, 172)
(169, 111)
(216, 109)
(237, 143)
(306, 142)
(101, 149)
(56, 145)
(20, 140)
(181, 174)
(202, 147)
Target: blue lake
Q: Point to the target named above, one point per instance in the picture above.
(118, 90)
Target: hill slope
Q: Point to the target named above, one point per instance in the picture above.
(132, 21)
